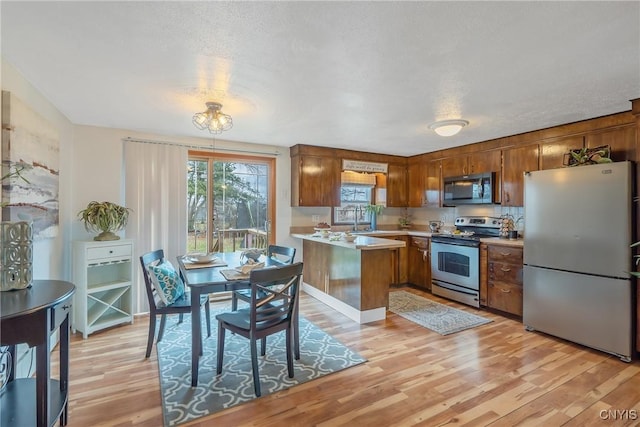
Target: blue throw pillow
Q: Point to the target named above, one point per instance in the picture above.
(167, 282)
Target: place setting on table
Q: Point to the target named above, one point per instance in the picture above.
(200, 260)
(243, 264)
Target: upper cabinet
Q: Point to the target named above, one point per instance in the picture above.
(416, 177)
(515, 162)
(397, 186)
(484, 161)
(417, 181)
(552, 153)
(315, 179)
(433, 183)
(622, 141)
(424, 181)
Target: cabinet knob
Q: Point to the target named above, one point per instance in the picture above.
(505, 253)
(505, 269)
(506, 291)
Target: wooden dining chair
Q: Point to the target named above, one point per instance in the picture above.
(160, 307)
(285, 255)
(267, 315)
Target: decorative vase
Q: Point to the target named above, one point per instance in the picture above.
(16, 255)
(374, 222)
(106, 236)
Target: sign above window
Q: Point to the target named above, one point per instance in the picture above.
(360, 166)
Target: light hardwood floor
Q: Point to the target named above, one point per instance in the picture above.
(497, 374)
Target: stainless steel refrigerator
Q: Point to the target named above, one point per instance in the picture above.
(577, 255)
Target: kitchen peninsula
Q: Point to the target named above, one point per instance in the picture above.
(352, 278)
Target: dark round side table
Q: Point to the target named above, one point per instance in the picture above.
(31, 316)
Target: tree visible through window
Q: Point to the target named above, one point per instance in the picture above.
(238, 213)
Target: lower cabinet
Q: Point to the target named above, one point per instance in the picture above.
(399, 262)
(504, 278)
(419, 265)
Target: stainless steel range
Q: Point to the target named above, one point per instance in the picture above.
(455, 259)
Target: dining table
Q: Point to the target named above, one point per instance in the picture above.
(220, 275)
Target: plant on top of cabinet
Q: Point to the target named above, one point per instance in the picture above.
(105, 218)
(588, 156)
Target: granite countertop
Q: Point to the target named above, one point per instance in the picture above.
(504, 242)
(378, 239)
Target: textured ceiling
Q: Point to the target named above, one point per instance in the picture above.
(366, 76)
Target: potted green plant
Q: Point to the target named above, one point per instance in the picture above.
(589, 156)
(374, 211)
(405, 219)
(105, 218)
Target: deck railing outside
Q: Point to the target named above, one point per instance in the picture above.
(229, 240)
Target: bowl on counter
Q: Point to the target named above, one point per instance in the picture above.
(349, 238)
(322, 232)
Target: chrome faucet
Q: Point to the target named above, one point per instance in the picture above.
(355, 218)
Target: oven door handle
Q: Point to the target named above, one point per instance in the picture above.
(456, 289)
(453, 242)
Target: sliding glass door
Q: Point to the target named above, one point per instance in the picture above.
(229, 202)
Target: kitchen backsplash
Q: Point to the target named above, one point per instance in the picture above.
(420, 217)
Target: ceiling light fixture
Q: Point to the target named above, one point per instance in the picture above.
(448, 127)
(213, 120)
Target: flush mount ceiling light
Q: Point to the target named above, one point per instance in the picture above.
(448, 127)
(213, 120)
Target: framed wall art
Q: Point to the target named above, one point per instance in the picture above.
(30, 167)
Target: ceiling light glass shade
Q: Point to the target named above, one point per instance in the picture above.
(448, 127)
(213, 120)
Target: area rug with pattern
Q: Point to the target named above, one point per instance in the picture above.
(438, 317)
(320, 354)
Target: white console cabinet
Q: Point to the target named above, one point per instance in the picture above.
(103, 275)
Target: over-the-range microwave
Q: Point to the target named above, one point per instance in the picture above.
(469, 189)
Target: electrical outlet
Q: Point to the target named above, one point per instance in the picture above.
(315, 218)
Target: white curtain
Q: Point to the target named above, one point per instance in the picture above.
(156, 191)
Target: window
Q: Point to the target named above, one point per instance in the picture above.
(352, 197)
(229, 202)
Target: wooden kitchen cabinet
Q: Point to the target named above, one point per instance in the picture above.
(484, 161)
(416, 184)
(552, 152)
(622, 141)
(433, 183)
(399, 261)
(424, 182)
(504, 278)
(419, 273)
(315, 181)
(397, 186)
(515, 162)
